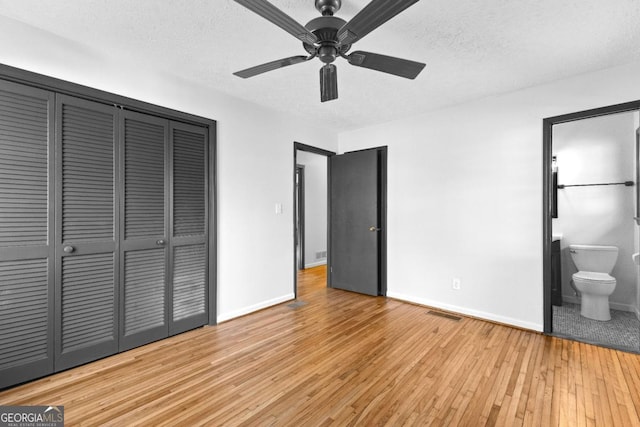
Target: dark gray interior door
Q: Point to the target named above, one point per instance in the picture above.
(26, 233)
(355, 222)
(86, 230)
(145, 229)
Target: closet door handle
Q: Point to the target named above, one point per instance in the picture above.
(68, 249)
(160, 242)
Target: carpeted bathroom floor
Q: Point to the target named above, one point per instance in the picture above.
(622, 331)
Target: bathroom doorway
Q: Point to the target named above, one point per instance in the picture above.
(591, 167)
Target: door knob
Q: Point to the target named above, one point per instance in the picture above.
(374, 228)
(68, 249)
(160, 242)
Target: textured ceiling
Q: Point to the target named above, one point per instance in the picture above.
(472, 48)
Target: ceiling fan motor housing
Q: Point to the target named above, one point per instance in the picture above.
(325, 28)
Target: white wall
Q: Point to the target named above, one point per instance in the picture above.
(255, 159)
(465, 195)
(315, 221)
(591, 151)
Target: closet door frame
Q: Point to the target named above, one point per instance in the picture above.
(24, 77)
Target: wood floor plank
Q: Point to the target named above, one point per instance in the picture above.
(344, 359)
(630, 365)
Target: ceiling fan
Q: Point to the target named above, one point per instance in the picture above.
(329, 37)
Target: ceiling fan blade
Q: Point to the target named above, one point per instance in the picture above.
(386, 64)
(376, 13)
(328, 83)
(281, 19)
(270, 66)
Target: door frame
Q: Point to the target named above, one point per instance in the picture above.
(297, 146)
(382, 187)
(547, 192)
(299, 214)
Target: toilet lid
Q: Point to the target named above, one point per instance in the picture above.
(592, 276)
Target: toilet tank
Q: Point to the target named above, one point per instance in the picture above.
(595, 258)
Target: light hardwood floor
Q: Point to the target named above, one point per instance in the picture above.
(348, 359)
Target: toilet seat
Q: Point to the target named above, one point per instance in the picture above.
(594, 277)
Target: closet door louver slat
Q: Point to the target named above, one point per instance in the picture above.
(25, 176)
(24, 312)
(189, 179)
(144, 179)
(144, 305)
(87, 174)
(189, 296)
(87, 301)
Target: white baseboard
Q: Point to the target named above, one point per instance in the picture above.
(316, 264)
(622, 307)
(250, 309)
(470, 312)
(613, 305)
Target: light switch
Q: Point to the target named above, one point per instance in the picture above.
(278, 208)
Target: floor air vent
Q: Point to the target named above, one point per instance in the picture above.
(445, 315)
(296, 304)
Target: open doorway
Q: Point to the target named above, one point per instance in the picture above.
(311, 208)
(591, 162)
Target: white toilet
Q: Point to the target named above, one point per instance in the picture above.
(594, 263)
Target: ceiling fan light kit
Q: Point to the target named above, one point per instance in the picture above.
(329, 37)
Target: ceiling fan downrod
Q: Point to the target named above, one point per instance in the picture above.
(328, 7)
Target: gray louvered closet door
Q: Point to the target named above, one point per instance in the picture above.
(86, 230)
(145, 229)
(189, 230)
(26, 234)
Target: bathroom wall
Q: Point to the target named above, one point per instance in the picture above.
(592, 151)
(315, 221)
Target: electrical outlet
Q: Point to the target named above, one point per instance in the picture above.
(455, 284)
